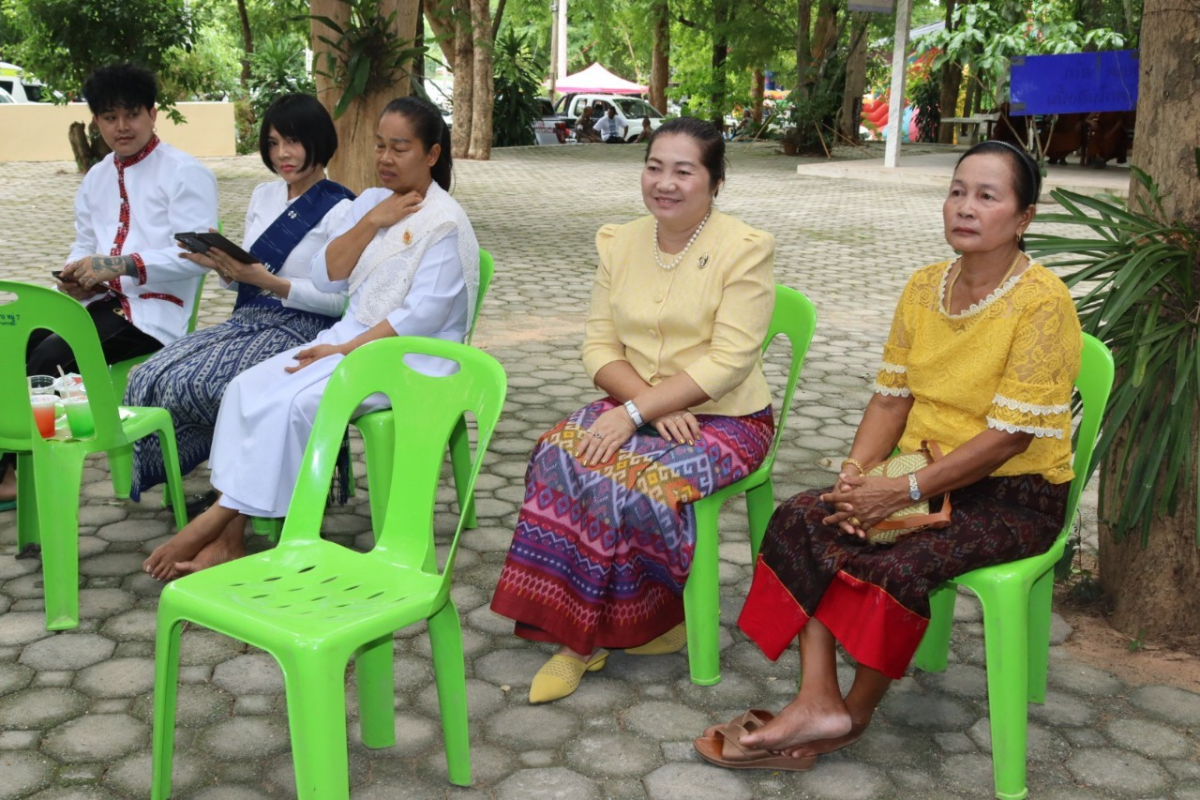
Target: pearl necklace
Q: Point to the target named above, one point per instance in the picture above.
(658, 257)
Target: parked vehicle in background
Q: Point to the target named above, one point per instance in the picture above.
(633, 109)
(5, 97)
(18, 85)
(552, 128)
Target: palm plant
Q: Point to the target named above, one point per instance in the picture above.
(1141, 273)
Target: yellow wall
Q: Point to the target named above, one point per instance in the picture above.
(38, 131)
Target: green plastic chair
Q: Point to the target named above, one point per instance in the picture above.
(378, 428)
(119, 372)
(314, 605)
(120, 461)
(50, 471)
(796, 318)
(1016, 603)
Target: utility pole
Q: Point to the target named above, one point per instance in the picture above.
(561, 39)
(553, 47)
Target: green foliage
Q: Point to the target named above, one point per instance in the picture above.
(988, 33)
(926, 94)
(64, 41)
(366, 56)
(517, 81)
(1142, 276)
(277, 68)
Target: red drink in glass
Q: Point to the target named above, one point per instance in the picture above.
(43, 413)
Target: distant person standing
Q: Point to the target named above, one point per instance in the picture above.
(612, 127)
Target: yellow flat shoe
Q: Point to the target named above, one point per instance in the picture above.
(560, 676)
(670, 642)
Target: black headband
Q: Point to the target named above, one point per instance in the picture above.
(1030, 166)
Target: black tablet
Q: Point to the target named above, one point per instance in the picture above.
(229, 248)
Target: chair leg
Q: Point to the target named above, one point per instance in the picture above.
(1040, 598)
(378, 432)
(374, 670)
(120, 470)
(58, 471)
(932, 653)
(445, 637)
(28, 528)
(1006, 644)
(166, 687)
(170, 453)
(460, 462)
(701, 599)
(316, 702)
(760, 505)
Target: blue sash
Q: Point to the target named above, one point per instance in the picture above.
(276, 243)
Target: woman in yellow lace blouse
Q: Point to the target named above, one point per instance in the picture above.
(982, 357)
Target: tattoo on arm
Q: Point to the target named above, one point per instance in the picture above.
(108, 267)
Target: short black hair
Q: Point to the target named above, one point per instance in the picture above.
(300, 117)
(708, 139)
(1026, 174)
(120, 86)
(430, 128)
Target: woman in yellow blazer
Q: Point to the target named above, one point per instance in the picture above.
(681, 303)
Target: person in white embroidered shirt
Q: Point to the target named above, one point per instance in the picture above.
(124, 264)
(408, 255)
(612, 127)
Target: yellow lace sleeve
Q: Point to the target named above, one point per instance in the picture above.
(1034, 394)
(892, 378)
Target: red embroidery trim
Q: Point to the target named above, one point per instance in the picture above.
(123, 223)
(160, 296)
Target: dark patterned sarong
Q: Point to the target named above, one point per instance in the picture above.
(188, 378)
(875, 599)
(600, 554)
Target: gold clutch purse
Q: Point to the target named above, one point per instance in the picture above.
(917, 516)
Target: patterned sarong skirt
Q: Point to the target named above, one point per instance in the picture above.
(601, 554)
(189, 376)
(873, 598)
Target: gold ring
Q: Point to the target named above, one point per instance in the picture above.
(855, 522)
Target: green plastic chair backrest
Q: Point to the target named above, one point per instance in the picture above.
(487, 268)
(36, 308)
(1094, 385)
(427, 408)
(795, 317)
(195, 318)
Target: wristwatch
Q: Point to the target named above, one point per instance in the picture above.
(914, 491)
(634, 414)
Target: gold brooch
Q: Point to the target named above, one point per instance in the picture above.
(408, 237)
(703, 262)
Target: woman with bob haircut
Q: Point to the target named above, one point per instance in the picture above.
(278, 306)
(409, 257)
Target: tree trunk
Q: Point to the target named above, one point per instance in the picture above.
(1153, 588)
(482, 93)
(498, 19)
(757, 93)
(660, 55)
(951, 82)
(418, 70)
(856, 78)
(247, 42)
(722, 14)
(354, 164)
(803, 45)
(464, 82)
(440, 14)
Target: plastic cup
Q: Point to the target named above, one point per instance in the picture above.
(43, 413)
(69, 384)
(41, 384)
(79, 416)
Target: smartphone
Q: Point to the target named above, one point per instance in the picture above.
(225, 246)
(58, 276)
(192, 242)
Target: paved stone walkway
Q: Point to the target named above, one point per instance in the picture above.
(75, 707)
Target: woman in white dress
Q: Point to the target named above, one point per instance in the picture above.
(410, 259)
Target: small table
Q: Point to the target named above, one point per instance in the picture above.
(972, 125)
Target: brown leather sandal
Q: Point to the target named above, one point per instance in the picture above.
(723, 746)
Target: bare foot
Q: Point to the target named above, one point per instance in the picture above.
(800, 723)
(229, 545)
(8, 485)
(186, 544)
(820, 747)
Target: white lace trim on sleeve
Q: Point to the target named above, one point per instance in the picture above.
(896, 369)
(1041, 433)
(879, 388)
(1029, 408)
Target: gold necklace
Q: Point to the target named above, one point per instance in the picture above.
(954, 279)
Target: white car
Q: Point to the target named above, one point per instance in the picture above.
(5, 97)
(633, 109)
(17, 84)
